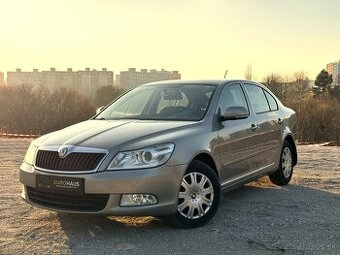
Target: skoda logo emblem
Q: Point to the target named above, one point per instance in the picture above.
(62, 152)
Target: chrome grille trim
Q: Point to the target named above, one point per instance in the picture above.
(72, 149)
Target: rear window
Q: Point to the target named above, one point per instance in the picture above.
(171, 99)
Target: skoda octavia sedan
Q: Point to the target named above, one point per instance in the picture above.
(165, 149)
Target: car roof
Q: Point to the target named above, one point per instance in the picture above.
(198, 82)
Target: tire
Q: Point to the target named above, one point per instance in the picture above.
(198, 197)
(284, 173)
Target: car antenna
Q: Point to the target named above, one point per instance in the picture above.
(225, 74)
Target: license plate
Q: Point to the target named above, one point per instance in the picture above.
(64, 185)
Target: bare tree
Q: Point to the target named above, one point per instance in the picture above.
(301, 84)
(248, 73)
(107, 94)
(29, 110)
(275, 82)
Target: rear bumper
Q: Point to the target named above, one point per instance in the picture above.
(163, 182)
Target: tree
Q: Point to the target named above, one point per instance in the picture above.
(275, 82)
(323, 82)
(248, 73)
(107, 94)
(301, 84)
(335, 92)
(28, 110)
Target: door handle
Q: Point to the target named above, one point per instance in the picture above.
(254, 127)
(280, 121)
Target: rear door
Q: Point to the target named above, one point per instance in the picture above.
(236, 138)
(268, 130)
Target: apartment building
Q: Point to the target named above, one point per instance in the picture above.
(334, 69)
(86, 82)
(18, 78)
(132, 78)
(92, 80)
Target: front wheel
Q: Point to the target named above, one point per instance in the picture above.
(198, 197)
(284, 173)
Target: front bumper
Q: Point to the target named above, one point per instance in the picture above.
(163, 182)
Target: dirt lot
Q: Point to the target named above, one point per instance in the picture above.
(260, 218)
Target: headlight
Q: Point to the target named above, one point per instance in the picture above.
(143, 158)
(29, 157)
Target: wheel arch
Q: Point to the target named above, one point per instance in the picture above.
(206, 158)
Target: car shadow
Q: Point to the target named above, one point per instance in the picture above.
(258, 218)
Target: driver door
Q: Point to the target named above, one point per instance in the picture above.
(236, 138)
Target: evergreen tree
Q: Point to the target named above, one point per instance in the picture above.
(322, 82)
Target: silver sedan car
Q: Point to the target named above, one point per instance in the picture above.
(166, 149)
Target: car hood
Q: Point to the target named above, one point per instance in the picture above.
(108, 134)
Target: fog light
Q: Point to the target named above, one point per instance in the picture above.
(138, 199)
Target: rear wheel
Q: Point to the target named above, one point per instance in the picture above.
(198, 197)
(284, 173)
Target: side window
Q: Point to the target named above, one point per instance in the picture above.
(232, 96)
(272, 102)
(257, 98)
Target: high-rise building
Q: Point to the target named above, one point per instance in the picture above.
(86, 82)
(334, 70)
(2, 81)
(93, 80)
(23, 78)
(132, 78)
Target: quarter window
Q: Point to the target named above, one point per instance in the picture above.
(271, 100)
(257, 98)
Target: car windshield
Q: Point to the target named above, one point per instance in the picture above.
(162, 102)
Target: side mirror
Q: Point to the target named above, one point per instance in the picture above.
(235, 113)
(100, 109)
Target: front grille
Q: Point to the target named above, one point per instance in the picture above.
(83, 203)
(76, 161)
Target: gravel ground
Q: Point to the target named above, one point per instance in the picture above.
(259, 218)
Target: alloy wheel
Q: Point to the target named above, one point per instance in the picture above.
(196, 195)
(287, 165)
